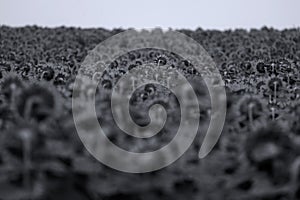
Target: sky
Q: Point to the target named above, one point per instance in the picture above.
(190, 14)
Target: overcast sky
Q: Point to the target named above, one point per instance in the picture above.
(208, 14)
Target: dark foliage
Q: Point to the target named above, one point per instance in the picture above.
(257, 156)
